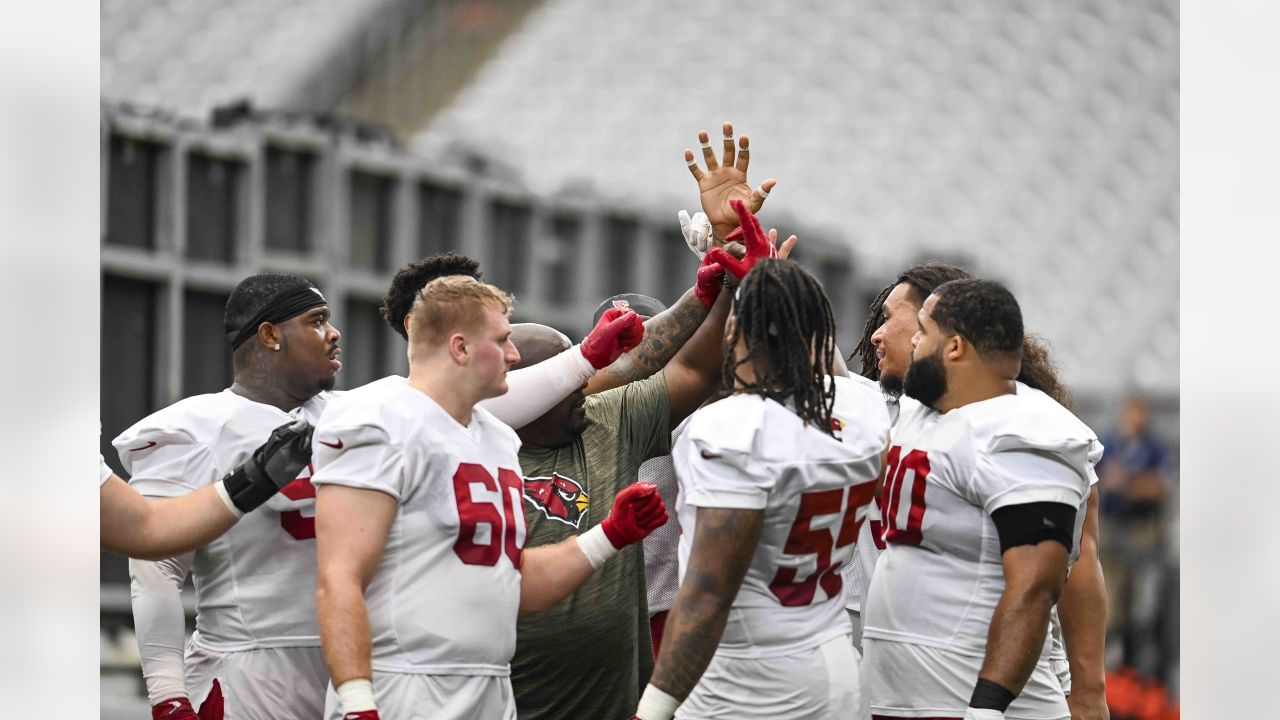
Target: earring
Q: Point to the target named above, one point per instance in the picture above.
(277, 347)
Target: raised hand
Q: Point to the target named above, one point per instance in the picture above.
(617, 332)
(696, 231)
(710, 280)
(758, 245)
(723, 182)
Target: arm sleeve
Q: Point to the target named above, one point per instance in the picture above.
(158, 619)
(536, 389)
(1019, 477)
(364, 458)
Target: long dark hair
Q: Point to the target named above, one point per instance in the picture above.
(785, 321)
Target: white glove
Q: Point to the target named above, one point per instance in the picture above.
(697, 232)
(983, 714)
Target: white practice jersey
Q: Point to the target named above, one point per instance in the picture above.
(870, 540)
(814, 488)
(940, 576)
(445, 595)
(252, 582)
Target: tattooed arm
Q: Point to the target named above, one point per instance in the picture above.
(664, 334)
(724, 542)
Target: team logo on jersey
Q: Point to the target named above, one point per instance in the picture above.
(836, 426)
(558, 497)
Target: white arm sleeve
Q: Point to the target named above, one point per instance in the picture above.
(158, 619)
(536, 389)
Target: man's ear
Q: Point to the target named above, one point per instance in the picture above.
(270, 335)
(955, 348)
(458, 349)
(405, 323)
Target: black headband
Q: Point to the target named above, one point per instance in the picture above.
(288, 304)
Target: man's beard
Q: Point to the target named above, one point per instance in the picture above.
(891, 385)
(926, 379)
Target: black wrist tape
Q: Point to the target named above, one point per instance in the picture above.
(1033, 523)
(248, 486)
(988, 695)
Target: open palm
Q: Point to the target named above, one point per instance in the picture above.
(724, 181)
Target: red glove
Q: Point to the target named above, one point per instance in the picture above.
(753, 237)
(178, 708)
(709, 281)
(617, 332)
(637, 511)
(362, 715)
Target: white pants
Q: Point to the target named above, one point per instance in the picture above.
(266, 684)
(403, 696)
(907, 680)
(818, 684)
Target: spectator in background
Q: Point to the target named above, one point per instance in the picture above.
(1135, 489)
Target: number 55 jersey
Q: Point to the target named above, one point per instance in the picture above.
(444, 597)
(814, 488)
(937, 583)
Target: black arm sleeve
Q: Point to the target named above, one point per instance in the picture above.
(1033, 523)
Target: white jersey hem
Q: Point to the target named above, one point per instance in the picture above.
(471, 670)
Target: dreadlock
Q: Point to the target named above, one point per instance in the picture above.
(1041, 372)
(922, 278)
(785, 321)
(415, 276)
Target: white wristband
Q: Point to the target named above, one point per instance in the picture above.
(983, 714)
(356, 696)
(596, 546)
(226, 499)
(656, 705)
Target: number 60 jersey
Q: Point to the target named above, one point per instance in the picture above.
(444, 597)
(814, 487)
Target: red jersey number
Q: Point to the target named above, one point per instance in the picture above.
(502, 521)
(899, 529)
(805, 540)
(299, 526)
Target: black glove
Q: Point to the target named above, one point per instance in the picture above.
(273, 465)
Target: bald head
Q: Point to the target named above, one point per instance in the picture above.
(537, 343)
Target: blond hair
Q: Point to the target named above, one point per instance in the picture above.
(451, 304)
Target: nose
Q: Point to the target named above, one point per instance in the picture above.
(334, 335)
(877, 337)
(513, 355)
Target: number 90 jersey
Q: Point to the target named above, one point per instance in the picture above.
(814, 487)
(444, 597)
(940, 576)
(247, 581)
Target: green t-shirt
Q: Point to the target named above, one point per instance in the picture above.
(590, 656)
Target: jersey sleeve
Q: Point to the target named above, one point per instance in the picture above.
(166, 462)
(1018, 477)
(720, 462)
(359, 456)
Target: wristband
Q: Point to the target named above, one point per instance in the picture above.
(991, 695)
(656, 704)
(221, 488)
(596, 546)
(356, 696)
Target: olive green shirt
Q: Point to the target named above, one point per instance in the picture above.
(590, 656)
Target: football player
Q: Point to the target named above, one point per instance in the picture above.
(775, 481)
(885, 352)
(255, 652)
(154, 529)
(422, 565)
(981, 491)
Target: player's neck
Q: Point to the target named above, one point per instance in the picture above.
(966, 391)
(449, 392)
(266, 393)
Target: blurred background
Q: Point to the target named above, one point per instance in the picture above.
(1034, 141)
